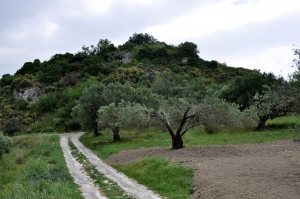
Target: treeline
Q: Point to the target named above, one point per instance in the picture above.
(142, 83)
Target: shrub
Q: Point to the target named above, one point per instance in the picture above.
(22, 104)
(5, 144)
(47, 103)
(11, 126)
(221, 115)
(23, 81)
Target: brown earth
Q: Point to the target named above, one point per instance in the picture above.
(265, 170)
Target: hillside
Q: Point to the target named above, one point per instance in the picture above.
(47, 91)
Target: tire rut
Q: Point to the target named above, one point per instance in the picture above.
(86, 186)
(130, 186)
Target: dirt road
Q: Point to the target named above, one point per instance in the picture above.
(89, 190)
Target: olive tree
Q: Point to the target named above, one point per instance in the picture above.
(176, 115)
(274, 102)
(242, 89)
(98, 95)
(295, 77)
(122, 115)
(85, 112)
(164, 84)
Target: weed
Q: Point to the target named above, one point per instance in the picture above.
(19, 156)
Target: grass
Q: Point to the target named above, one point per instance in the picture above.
(173, 182)
(150, 171)
(36, 168)
(109, 187)
(278, 129)
(283, 122)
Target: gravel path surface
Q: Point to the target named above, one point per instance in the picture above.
(86, 186)
(130, 186)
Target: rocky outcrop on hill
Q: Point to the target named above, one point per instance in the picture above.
(121, 56)
(30, 94)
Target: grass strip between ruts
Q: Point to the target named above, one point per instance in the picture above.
(107, 186)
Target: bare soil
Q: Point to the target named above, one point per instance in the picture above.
(265, 170)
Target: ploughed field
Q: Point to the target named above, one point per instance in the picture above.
(264, 170)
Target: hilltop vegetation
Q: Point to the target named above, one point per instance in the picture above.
(149, 76)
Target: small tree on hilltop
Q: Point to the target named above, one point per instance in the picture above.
(141, 38)
(188, 49)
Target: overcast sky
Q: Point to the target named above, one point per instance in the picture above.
(255, 34)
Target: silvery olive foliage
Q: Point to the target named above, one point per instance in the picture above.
(274, 102)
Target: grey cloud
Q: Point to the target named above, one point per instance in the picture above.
(277, 32)
(13, 12)
(74, 32)
(243, 2)
(120, 22)
(123, 20)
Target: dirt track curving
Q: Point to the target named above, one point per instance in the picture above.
(265, 170)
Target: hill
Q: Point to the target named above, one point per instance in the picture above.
(41, 91)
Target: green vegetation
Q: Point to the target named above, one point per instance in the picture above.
(5, 144)
(151, 171)
(35, 168)
(129, 96)
(278, 129)
(59, 82)
(11, 126)
(109, 187)
(173, 182)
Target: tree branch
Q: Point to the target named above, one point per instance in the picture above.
(188, 127)
(183, 121)
(163, 119)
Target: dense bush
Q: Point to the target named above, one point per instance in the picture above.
(22, 104)
(141, 38)
(23, 81)
(220, 115)
(47, 103)
(6, 80)
(5, 144)
(11, 126)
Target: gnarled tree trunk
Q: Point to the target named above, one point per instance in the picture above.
(177, 142)
(96, 133)
(262, 124)
(116, 134)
